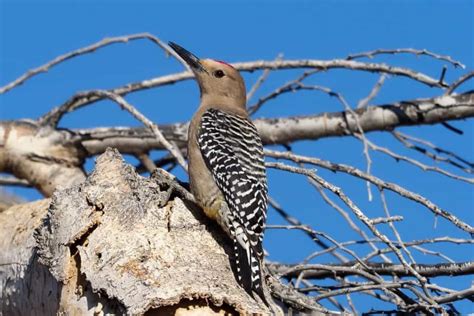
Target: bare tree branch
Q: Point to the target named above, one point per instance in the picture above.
(260, 80)
(373, 93)
(339, 64)
(360, 174)
(459, 82)
(409, 142)
(414, 162)
(290, 129)
(417, 52)
(45, 157)
(132, 110)
(54, 116)
(319, 271)
(363, 218)
(455, 296)
(82, 51)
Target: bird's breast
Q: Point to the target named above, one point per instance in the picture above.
(203, 187)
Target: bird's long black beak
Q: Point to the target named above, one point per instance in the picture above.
(188, 57)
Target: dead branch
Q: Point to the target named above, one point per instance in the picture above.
(290, 129)
(175, 152)
(363, 218)
(316, 271)
(82, 51)
(53, 117)
(459, 82)
(358, 173)
(417, 52)
(46, 158)
(272, 131)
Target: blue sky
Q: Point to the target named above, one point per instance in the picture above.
(33, 32)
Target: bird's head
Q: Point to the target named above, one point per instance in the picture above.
(219, 82)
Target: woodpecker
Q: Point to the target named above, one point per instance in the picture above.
(226, 166)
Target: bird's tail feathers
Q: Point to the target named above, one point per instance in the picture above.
(249, 271)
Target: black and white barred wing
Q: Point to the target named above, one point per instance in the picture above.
(232, 150)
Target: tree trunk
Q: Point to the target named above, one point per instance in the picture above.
(116, 243)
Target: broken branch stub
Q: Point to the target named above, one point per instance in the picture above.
(46, 158)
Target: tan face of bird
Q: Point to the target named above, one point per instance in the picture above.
(220, 83)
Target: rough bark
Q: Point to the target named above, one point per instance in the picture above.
(118, 243)
(25, 285)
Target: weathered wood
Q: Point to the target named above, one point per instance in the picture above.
(47, 158)
(116, 243)
(25, 285)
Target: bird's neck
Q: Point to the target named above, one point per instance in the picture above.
(224, 103)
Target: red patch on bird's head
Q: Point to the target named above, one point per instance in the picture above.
(224, 63)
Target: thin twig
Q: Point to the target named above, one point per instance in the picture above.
(340, 64)
(434, 253)
(455, 296)
(338, 245)
(388, 250)
(392, 226)
(361, 288)
(337, 191)
(434, 147)
(459, 82)
(373, 53)
(416, 163)
(404, 139)
(332, 300)
(376, 181)
(295, 222)
(260, 80)
(385, 220)
(82, 51)
(290, 86)
(346, 217)
(142, 118)
(373, 93)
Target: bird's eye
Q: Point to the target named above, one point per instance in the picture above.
(219, 73)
